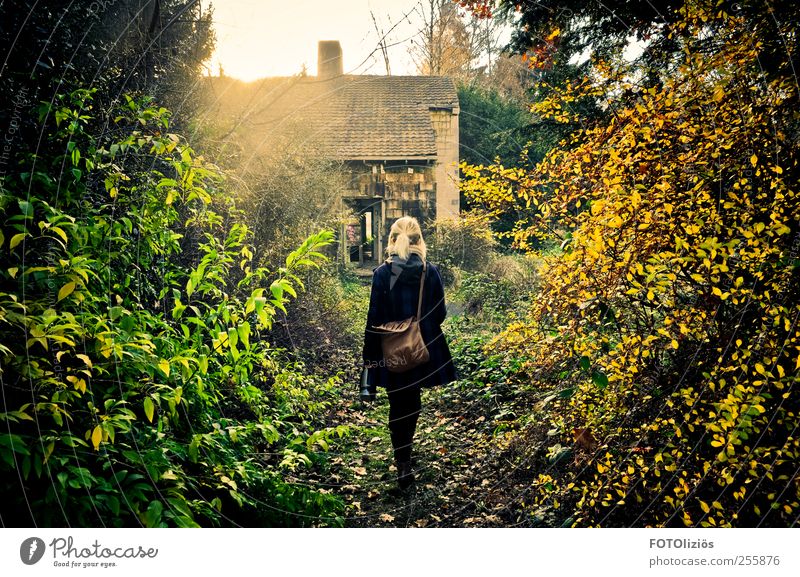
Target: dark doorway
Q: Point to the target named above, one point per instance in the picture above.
(362, 232)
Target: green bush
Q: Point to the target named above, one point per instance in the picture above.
(138, 387)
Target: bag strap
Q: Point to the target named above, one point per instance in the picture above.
(421, 284)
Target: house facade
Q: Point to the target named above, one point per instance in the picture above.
(395, 136)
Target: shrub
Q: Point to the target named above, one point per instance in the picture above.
(668, 320)
(464, 243)
(137, 386)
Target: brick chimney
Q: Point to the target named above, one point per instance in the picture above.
(329, 59)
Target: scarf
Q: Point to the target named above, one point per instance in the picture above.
(405, 271)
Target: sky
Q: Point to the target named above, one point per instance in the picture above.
(258, 38)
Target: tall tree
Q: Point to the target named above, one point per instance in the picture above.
(149, 46)
(451, 43)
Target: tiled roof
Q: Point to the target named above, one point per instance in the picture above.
(353, 117)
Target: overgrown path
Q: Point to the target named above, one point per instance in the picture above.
(467, 471)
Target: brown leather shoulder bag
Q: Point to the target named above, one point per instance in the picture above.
(403, 347)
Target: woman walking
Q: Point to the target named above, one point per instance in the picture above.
(394, 297)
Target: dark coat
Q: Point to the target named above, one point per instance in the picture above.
(395, 290)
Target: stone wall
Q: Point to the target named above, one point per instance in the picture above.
(402, 188)
(445, 124)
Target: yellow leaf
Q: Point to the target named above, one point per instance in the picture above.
(97, 436)
(13, 272)
(163, 364)
(66, 290)
(754, 160)
(86, 360)
(704, 506)
(60, 232)
(77, 382)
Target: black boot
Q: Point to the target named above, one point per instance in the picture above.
(366, 392)
(404, 475)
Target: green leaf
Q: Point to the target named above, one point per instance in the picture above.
(585, 363)
(244, 334)
(194, 449)
(566, 393)
(152, 517)
(16, 239)
(113, 504)
(149, 409)
(48, 450)
(26, 208)
(599, 379)
(178, 310)
(277, 290)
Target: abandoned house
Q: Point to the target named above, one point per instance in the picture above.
(396, 137)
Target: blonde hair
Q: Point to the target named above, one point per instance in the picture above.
(405, 237)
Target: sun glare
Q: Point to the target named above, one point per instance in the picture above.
(256, 39)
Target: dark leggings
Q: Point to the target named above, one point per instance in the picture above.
(404, 407)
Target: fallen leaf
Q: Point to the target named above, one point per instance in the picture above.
(585, 439)
(386, 517)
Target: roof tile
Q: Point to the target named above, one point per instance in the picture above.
(353, 116)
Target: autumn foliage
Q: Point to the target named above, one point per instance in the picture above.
(666, 324)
